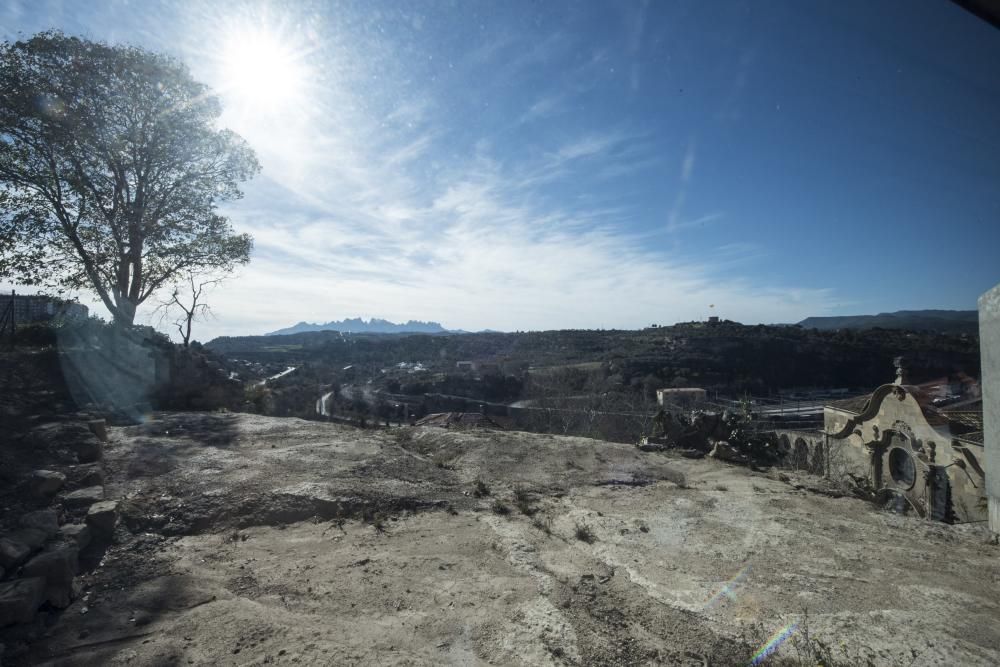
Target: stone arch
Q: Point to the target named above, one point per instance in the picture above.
(818, 463)
(784, 445)
(903, 474)
(902, 467)
(800, 454)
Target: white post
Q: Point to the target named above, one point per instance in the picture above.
(989, 345)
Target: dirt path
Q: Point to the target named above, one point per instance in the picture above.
(256, 540)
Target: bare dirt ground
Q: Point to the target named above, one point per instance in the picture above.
(249, 540)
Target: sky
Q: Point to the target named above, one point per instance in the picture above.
(551, 165)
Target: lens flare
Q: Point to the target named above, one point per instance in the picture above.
(729, 588)
(771, 645)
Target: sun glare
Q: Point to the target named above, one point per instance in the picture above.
(261, 71)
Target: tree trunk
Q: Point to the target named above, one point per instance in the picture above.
(124, 313)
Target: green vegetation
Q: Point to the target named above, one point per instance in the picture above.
(111, 170)
(574, 377)
(730, 357)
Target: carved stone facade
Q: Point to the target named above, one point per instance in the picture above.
(917, 458)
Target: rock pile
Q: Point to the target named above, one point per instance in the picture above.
(40, 551)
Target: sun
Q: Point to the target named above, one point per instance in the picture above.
(261, 71)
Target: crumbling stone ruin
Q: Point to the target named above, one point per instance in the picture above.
(728, 436)
(894, 446)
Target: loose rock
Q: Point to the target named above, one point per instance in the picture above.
(84, 497)
(88, 449)
(20, 599)
(723, 451)
(12, 552)
(57, 568)
(44, 520)
(90, 474)
(75, 533)
(103, 516)
(46, 483)
(99, 428)
(33, 538)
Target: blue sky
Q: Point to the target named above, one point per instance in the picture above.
(532, 165)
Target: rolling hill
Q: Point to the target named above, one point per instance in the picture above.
(941, 321)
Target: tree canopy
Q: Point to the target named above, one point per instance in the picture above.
(111, 171)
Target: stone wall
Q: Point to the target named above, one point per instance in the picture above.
(804, 450)
(57, 520)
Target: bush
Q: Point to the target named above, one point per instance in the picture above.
(523, 501)
(584, 533)
(481, 490)
(544, 525)
(500, 508)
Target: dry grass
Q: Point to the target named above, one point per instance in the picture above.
(543, 524)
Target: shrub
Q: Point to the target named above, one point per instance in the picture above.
(584, 533)
(523, 501)
(544, 525)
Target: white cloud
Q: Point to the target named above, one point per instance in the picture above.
(369, 206)
(676, 221)
(687, 166)
(548, 105)
(484, 251)
(478, 247)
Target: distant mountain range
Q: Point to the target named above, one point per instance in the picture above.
(358, 325)
(943, 321)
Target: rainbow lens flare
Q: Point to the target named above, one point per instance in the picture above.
(729, 588)
(772, 644)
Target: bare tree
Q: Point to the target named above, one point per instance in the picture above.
(189, 300)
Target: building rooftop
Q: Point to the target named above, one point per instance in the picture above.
(854, 405)
(965, 423)
(975, 437)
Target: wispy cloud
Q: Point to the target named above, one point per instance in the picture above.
(377, 200)
(588, 145)
(410, 151)
(677, 224)
(546, 106)
(481, 247)
(687, 166)
(675, 216)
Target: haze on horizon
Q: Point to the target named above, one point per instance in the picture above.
(519, 166)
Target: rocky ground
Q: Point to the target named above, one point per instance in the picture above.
(249, 540)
